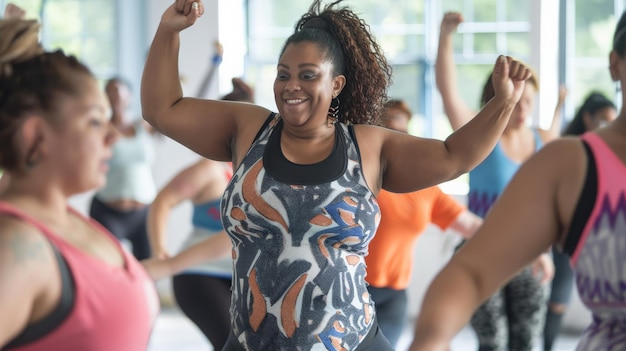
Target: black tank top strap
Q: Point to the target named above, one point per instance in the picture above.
(586, 203)
(68, 292)
(265, 124)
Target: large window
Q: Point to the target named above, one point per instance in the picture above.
(587, 36)
(107, 35)
(84, 28)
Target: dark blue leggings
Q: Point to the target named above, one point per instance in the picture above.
(391, 311)
(206, 301)
(129, 225)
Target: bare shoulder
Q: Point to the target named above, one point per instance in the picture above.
(27, 276)
(22, 246)
(562, 152)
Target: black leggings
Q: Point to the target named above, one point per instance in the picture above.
(129, 225)
(205, 300)
(373, 341)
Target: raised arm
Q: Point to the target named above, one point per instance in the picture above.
(186, 185)
(506, 242)
(208, 79)
(410, 163)
(208, 127)
(457, 111)
(557, 121)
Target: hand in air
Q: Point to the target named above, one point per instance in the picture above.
(450, 23)
(182, 14)
(509, 77)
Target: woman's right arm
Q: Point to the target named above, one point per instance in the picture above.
(25, 273)
(208, 127)
(456, 109)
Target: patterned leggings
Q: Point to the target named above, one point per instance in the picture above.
(513, 317)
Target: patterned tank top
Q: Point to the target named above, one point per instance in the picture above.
(300, 234)
(597, 242)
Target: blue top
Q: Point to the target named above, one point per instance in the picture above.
(207, 215)
(488, 180)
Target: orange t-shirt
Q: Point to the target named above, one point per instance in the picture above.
(403, 218)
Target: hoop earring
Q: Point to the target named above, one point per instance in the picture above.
(333, 111)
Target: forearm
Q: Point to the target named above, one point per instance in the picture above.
(445, 70)
(158, 219)
(212, 248)
(160, 83)
(471, 144)
(457, 111)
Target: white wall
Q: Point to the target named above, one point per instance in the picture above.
(432, 250)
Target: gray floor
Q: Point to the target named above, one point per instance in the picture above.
(174, 332)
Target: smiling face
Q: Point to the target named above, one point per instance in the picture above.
(79, 144)
(304, 85)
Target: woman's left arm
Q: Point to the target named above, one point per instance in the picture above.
(410, 163)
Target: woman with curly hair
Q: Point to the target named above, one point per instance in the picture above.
(301, 207)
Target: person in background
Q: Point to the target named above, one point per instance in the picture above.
(513, 317)
(301, 208)
(121, 205)
(203, 280)
(65, 282)
(595, 112)
(404, 217)
(570, 194)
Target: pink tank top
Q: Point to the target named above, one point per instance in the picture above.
(599, 258)
(114, 308)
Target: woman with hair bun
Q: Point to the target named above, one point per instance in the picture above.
(65, 282)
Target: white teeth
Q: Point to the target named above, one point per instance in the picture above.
(294, 101)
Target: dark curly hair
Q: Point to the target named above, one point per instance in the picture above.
(347, 43)
(31, 81)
